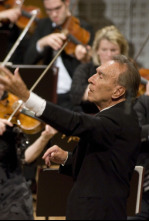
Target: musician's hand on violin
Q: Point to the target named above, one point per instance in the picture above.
(3, 124)
(82, 52)
(1, 90)
(56, 155)
(55, 41)
(49, 132)
(147, 89)
(85, 96)
(11, 14)
(14, 83)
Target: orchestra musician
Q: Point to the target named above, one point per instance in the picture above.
(8, 19)
(16, 201)
(45, 42)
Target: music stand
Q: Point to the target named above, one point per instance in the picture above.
(47, 86)
(52, 192)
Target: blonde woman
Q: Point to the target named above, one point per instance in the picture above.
(108, 42)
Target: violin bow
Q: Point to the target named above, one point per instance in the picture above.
(23, 33)
(7, 58)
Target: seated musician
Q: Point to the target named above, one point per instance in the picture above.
(45, 43)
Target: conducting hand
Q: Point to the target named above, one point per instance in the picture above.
(14, 84)
(56, 155)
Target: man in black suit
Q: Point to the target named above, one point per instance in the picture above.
(103, 162)
(49, 38)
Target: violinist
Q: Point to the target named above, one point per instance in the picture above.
(8, 19)
(16, 201)
(46, 41)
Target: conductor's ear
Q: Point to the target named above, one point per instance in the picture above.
(119, 91)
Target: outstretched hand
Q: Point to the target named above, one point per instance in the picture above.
(13, 83)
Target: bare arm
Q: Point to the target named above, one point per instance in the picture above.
(37, 147)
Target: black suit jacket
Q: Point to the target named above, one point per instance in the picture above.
(102, 163)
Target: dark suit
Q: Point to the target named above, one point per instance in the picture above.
(102, 163)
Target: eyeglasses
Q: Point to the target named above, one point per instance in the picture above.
(54, 9)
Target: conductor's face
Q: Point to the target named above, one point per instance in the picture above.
(104, 89)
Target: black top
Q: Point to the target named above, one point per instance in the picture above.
(15, 195)
(12, 147)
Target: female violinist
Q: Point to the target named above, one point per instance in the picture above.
(46, 40)
(16, 201)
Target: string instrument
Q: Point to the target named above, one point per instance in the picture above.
(75, 34)
(10, 103)
(29, 125)
(144, 73)
(11, 108)
(144, 80)
(26, 12)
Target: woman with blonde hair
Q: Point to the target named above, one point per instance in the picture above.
(108, 42)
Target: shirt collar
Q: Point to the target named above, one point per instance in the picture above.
(107, 108)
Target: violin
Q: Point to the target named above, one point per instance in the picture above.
(144, 80)
(26, 11)
(75, 34)
(28, 124)
(10, 106)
